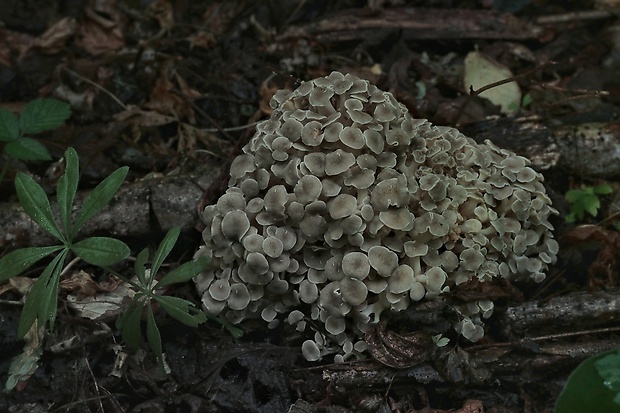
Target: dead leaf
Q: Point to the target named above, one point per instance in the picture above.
(79, 101)
(98, 35)
(266, 91)
(165, 101)
(103, 306)
(82, 285)
(19, 285)
(143, 118)
(24, 365)
(189, 136)
(203, 39)
(11, 41)
(219, 15)
(459, 367)
(163, 12)
(56, 37)
(480, 70)
(397, 351)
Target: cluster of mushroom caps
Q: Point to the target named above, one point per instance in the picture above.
(342, 207)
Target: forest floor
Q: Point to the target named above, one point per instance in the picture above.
(174, 88)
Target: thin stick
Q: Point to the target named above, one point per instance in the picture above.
(473, 92)
(98, 86)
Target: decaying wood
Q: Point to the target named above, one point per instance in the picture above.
(585, 149)
(138, 209)
(415, 23)
(520, 361)
(564, 313)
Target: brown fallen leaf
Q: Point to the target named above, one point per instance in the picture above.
(82, 285)
(56, 36)
(98, 35)
(397, 351)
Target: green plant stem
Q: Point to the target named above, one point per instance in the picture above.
(4, 169)
(234, 331)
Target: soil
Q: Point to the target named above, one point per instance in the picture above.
(173, 90)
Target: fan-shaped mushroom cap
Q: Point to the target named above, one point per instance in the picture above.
(417, 291)
(341, 206)
(356, 265)
(257, 262)
(471, 331)
(235, 224)
(275, 199)
(338, 161)
(401, 279)
(315, 162)
(389, 193)
(335, 325)
(308, 292)
(239, 297)
(241, 165)
(219, 290)
(272, 247)
(398, 219)
(310, 351)
(331, 299)
(382, 260)
(352, 137)
(353, 290)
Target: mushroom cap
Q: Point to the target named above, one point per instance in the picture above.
(272, 247)
(220, 290)
(352, 137)
(341, 206)
(331, 299)
(239, 297)
(308, 292)
(355, 265)
(308, 189)
(389, 193)
(335, 325)
(353, 290)
(401, 279)
(397, 219)
(338, 162)
(235, 224)
(310, 351)
(382, 260)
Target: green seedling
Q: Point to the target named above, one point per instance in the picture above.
(41, 301)
(38, 116)
(440, 340)
(147, 287)
(149, 291)
(586, 199)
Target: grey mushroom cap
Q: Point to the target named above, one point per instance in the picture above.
(355, 265)
(310, 351)
(382, 260)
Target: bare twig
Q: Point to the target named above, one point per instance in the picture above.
(473, 92)
(98, 86)
(575, 16)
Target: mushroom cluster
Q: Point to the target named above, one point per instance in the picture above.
(342, 206)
